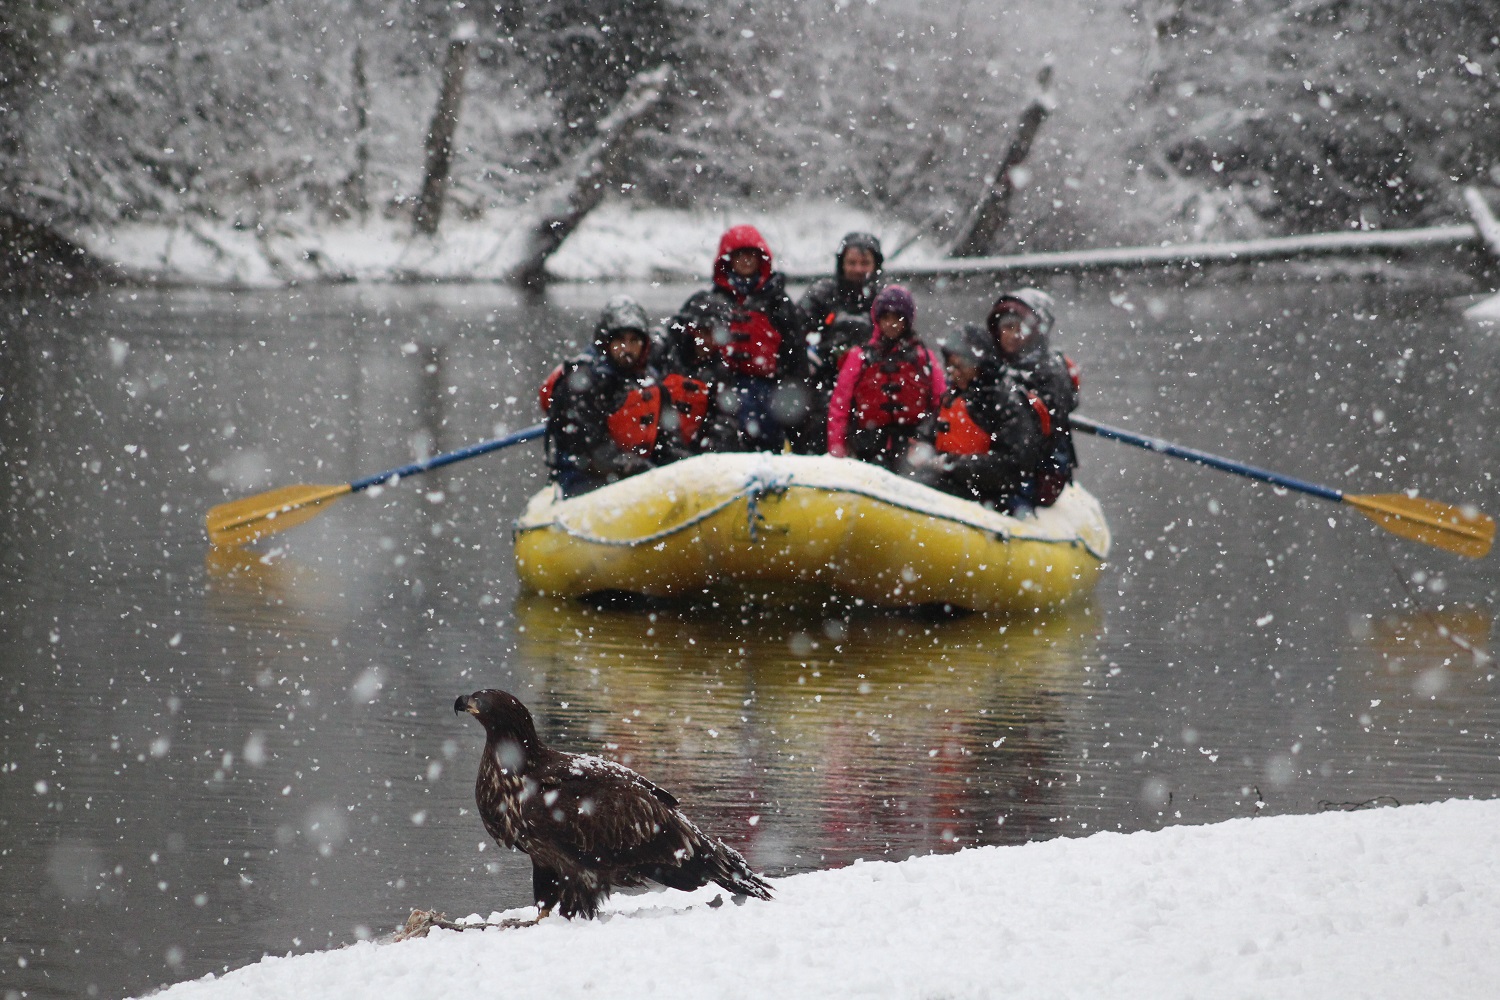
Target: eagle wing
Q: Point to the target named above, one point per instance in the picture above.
(603, 815)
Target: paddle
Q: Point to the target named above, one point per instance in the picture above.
(240, 522)
(1462, 530)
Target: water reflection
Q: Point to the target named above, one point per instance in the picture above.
(877, 734)
(205, 757)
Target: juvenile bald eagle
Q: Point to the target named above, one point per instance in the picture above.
(588, 824)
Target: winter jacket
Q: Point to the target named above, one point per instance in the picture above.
(676, 354)
(838, 317)
(913, 364)
(999, 476)
(604, 425)
(1050, 377)
(761, 336)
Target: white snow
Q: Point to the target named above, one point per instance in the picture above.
(1396, 902)
(617, 241)
(1485, 311)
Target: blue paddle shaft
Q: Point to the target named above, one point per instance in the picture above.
(437, 461)
(1204, 458)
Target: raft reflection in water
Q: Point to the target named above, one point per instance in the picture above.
(813, 742)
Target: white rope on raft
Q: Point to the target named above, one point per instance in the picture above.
(759, 486)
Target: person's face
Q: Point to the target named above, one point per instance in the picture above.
(701, 339)
(745, 262)
(1010, 330)
(960, 372)
(891, 325)
(627, 350)
(859, 264)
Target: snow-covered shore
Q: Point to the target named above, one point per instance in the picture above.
(1389, 902)
(616, 242)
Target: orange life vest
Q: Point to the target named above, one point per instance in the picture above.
(634, 423)
(753, 346)
(957, 433)
(689, 398)
(549, 386)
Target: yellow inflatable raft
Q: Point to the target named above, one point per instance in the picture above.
(772, 523)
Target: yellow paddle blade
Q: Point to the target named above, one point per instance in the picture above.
(1462, 530)
(240, 522)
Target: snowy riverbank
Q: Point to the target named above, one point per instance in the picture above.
(1387, 902)
(615, 242)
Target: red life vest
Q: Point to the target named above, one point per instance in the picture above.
(1075, 372)
(549, 386)
(957, 433)
(689, 398)
(753, 346)
(895, 389)
(634, 423)
(1043, 415)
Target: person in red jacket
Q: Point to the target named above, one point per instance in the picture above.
(761, 336)
(887, 390)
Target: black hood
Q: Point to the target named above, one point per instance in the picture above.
(860, 241)
(620, 313)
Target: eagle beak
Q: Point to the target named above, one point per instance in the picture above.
(464, 703)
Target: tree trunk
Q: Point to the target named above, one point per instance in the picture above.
(590, 175)
(977, 233)
(34, 257)
(440, 133)
(356, 185)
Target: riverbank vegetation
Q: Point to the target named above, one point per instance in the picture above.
(1170, 119)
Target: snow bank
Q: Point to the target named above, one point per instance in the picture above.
(615, 242)
(1394, 902)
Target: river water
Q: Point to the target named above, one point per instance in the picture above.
(208, 757)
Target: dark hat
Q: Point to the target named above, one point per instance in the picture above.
(894, 299)
(619, 314)
(970, 344)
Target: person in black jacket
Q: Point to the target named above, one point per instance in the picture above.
(838, 313)
(697, 381)
(1020, 324)
(987, 437)
(605, 415)
(760, 334)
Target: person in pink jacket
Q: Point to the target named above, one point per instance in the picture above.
(888, 390)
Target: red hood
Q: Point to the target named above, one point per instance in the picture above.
(740, 238)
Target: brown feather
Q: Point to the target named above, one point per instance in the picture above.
(588, 824)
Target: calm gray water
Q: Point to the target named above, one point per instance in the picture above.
(204, 758)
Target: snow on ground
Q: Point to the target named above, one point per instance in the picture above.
(615, 242)
(1486, 311)
(1398, 902)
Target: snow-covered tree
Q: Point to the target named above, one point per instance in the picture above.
(1319, 114)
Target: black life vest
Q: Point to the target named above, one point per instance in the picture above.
(892, 388)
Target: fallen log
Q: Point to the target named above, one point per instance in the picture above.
(988, 216)
(1194, 254)
(590, 176)
(36, 257)
(1484, 220)
(1486, 310)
